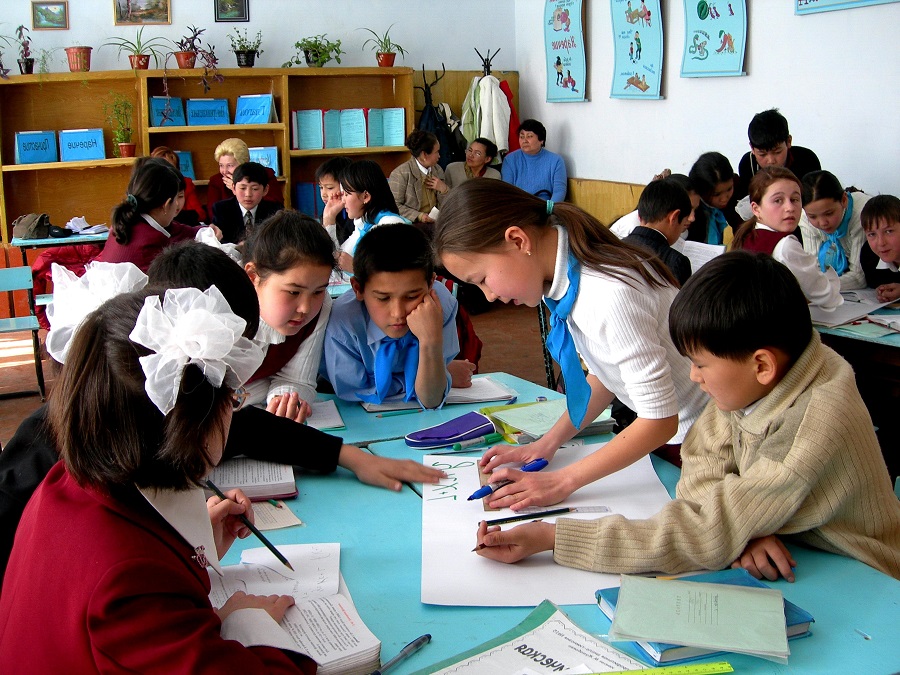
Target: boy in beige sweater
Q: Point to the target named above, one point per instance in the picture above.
(785, 447)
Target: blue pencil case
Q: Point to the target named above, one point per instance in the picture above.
(468, 426)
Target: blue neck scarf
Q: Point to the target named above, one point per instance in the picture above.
(831, 253)
(403, 350)
(562, 347)
(366, 225)
(715, 226)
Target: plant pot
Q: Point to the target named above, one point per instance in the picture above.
(127, 149)
(185, 59)
(79, 59)
(245, 58)
(139, 61)
(26, 66)
(385, 59)
(311, 58)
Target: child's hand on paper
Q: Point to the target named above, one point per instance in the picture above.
(461, 373)
(528, 489)
(291, 406)
(767, 557)
(515, 544)
(224, 515)
(521, 454)
(888, 292)
(426, 321)
(275, 605)
(384, 472)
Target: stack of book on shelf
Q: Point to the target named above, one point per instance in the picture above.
(318, 129)
(676, 605)
(323, 623)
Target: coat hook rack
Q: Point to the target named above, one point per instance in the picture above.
(486, 62)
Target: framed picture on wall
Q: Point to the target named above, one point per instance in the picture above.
(139, 12)
(50, 16)
(232, 10)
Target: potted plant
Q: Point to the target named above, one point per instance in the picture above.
(139, 50)
(190, 49)
(385, 49)
(189, 46)
(245, 49)
(119, 112)
(317, 51)
(26, 60)
(79, 58)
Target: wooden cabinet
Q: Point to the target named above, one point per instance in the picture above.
(93, 188)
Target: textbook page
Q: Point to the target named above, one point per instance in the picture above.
(325, 416)
(258, 479)
(697, 252)
(844, 313)
(454, 575)
(547, 640)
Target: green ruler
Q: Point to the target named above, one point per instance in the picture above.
(687, 669)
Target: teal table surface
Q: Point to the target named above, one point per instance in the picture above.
(364, 427)
(381, 557)
(60, 241)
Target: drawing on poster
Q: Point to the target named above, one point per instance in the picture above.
(714, 38)
(564, 47)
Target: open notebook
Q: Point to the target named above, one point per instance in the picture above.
(483, 389)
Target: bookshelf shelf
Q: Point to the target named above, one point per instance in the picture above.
(66, 166)
(219, 128)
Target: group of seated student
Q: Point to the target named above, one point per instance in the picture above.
(723, 369)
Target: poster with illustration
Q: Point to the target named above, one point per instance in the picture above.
(564, 49)
(638, 48)
(715, 37)
(812, 6)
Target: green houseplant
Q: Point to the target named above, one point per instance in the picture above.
(245, 49)
(317, 51)
(139, 50)
(386, 50)
(119, 112)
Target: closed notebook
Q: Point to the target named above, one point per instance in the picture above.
(797, 620)
(463, 428)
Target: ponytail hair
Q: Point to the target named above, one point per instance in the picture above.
(476, 215)
(818, 185)
(759, 185)
(153, 182)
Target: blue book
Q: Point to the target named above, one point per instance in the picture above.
(308, 199)
(267, 156)
(174, 116)
(309, 134)
(353, 128)
(375, 121)
(81, 144)
(797, 620)
(394, 125)
(35, 147)
(331, 120)
(207, 111)
(255, 109)
(186, 162)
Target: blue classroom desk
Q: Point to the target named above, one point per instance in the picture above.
(364, 427)
(381, 557)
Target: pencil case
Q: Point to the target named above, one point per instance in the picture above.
(468, 426)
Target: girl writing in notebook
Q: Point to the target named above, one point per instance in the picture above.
(609, 303)
(119, 535)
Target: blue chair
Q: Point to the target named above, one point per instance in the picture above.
(19, 279)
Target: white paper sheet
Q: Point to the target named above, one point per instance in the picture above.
(268, 517)
(453, 575)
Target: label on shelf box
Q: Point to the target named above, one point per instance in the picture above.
(81, 144)
(207, 111)
(35, 147)
(255, 109)
(174, 116)
(267, 156)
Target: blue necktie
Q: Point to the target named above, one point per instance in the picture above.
(831, 253)
(715, 229)
(404, 349)
(562, 347)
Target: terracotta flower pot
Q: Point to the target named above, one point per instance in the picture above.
(139, 61)
(127, 149)
(245, 58)
(186, 59)
(385, 59)
(79, 58)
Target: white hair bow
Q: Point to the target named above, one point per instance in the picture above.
(205, 235)
(192, 326)
(74, 298)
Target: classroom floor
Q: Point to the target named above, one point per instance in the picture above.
(510, 334)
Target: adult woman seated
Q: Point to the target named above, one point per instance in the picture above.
(533, 168)
(418, 184)
(479, 155)
(230, 154)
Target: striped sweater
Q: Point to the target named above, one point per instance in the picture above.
(803, 462)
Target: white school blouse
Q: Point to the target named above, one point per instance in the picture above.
(622, 334)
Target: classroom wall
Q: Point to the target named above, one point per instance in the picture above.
(834, 75)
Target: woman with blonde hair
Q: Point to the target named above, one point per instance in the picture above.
(230, 154)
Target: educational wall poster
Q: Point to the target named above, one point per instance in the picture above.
(813, 6)
(715, 37)
(638, 45)
(564, 48)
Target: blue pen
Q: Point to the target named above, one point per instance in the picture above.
(491, 488)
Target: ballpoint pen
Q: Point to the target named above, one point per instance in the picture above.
(491, 488)
(259, 535)
(404, 654)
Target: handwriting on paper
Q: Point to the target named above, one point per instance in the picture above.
(448, 488)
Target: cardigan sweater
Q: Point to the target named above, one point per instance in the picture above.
(804, 461)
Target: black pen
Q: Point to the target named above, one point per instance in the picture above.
(404, 654)
(268, 544)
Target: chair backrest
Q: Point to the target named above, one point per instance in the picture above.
(15, 279)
